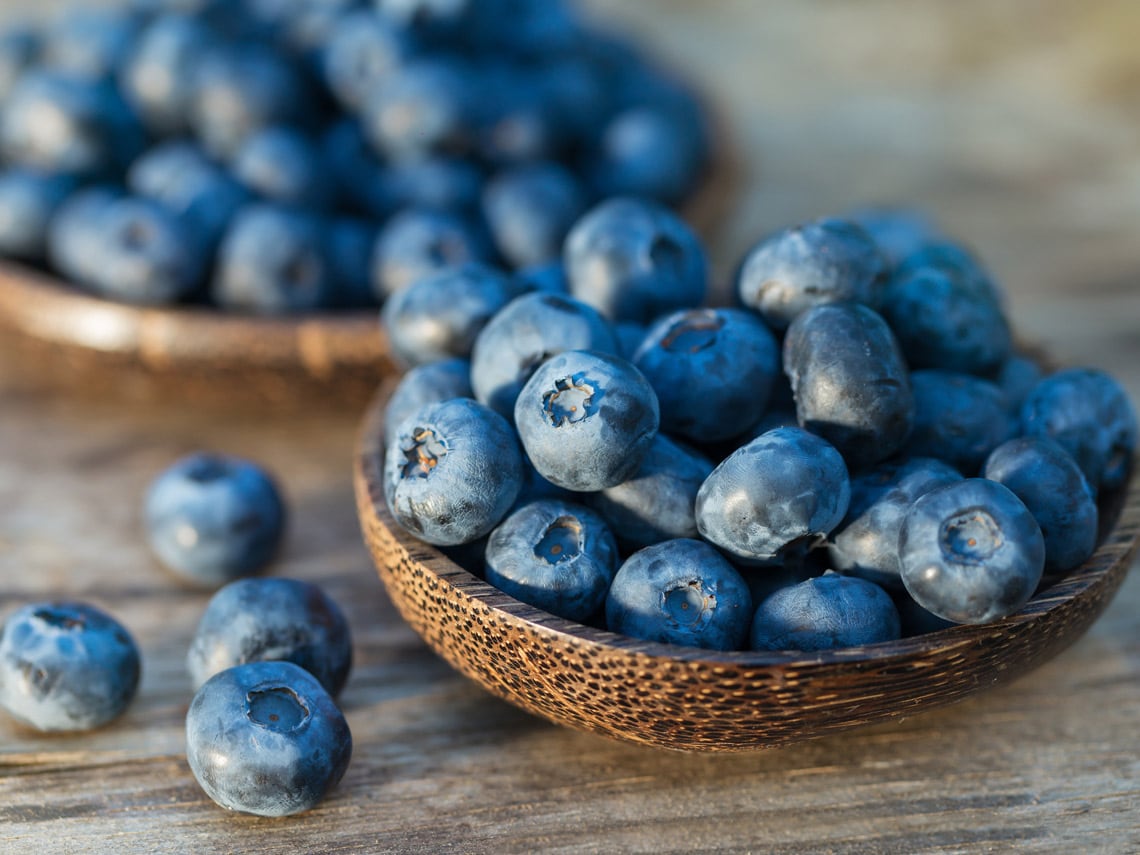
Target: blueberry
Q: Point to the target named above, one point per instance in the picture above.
(159, 73)
(429, 383)
(942, 322)
(657, 502)
(651, 152)
(587, 419)
(358, 177)
(265, 738)
(956, 261)
(422, 107)
(74, 233)
(634, 260)
(680, 592)
(971, 551)
(866, 543)
(555, 555)
(630, 335)
(28, 201)
(349, 243)
(361, 50)
(825, 261)
(547, 278)
(240, 89)
(90, 43)
(70, 125)
(774, 498)
(850, 381)
(434, 20)
(212, 518)
(517, 125)
(273, 260)
(66, 666)
(1047, 479)
(285, 620)
(830, 612)
(417, 242)
(916, 620)
(957, 418)
(1016, 378)
(530, 209)
(283, 165)
(522, 335)
(898, 232)
(19, 50)
(712, 370)
(439, 183)
(452, 471)
(1087, 413)
(180, 176)
(441, 314)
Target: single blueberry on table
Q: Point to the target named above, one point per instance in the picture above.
(530, 208)
(286, 620)
(587, 419)
(452, 471)
(66, 666)
(971, 552)
(524, 334)
(825, 261)
(657, 502)
(680, 592)
(775, 498)
(712, 370)
(442, 314)
(829, 612)
(158, 76)
(417, 242)
(958, 418)
(850, 381)
(866, 543)
(429, 383)
(265, 738)
(943, 322)
(634, 260)
(273, 260)
(1087, 413)
(213, 518)
(556, 555)
(1047, 479)
(28, 201)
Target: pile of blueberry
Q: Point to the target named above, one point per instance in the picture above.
(854, 452)
(264, 734)
(268, 157)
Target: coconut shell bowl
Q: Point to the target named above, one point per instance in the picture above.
(699, 700)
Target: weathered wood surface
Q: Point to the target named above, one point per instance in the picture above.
(1017, 126)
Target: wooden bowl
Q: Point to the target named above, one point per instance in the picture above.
(81, 343)
(700, 700)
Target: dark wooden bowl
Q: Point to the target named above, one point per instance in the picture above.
(80, 343)
(699, 700)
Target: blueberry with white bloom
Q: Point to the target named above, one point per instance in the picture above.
(429, 383)
(958, 418)
(587, 419)
(66, 666)
(452, 471)
(971, 552)
(680, 592)
(774, 498)
(417, 242)
(556, 555)
(529, 210)
(829, 612)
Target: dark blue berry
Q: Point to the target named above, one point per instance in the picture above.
(529, 210)
(429, 383)
(957, 418)
(28, 201)
(417, 242)
(283, 165)
(830, 612)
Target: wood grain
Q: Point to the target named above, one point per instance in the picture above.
(1015, 124)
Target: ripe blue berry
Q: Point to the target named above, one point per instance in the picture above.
(825, 613)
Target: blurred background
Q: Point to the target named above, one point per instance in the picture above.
(1015, 124)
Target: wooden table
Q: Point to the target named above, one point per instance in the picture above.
(1009, 124)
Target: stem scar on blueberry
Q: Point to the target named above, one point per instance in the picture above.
(694, 332)
(427, 449)
(572, 399)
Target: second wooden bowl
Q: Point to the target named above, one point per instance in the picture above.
(700, 700)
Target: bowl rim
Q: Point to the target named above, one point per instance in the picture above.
(1098, 576)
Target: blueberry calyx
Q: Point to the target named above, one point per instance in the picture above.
(561, 541)
(573, 399)
(970, 537)
(425, 453)
(689, 604)
(277, 708)
(693, 333)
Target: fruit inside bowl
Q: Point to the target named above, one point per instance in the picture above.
(901, 521)
(220, 200)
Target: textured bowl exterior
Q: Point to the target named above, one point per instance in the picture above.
(698, 700)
